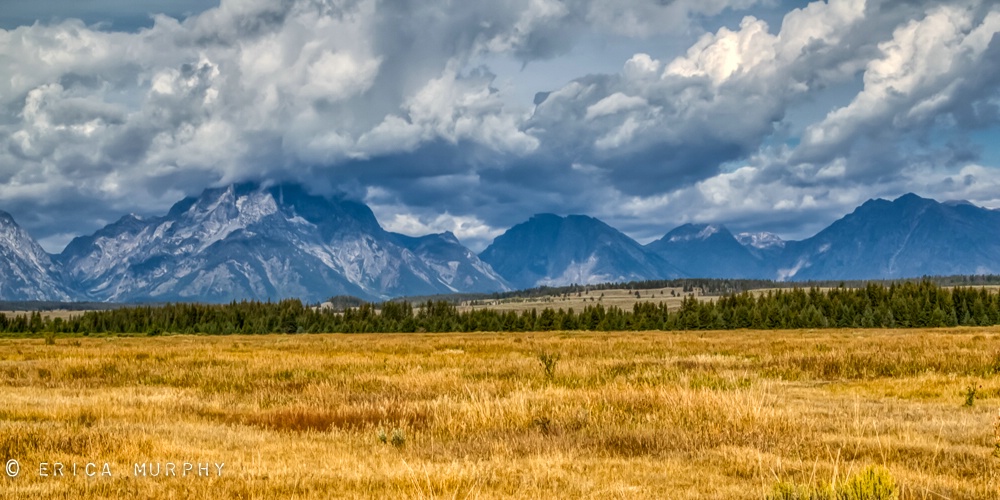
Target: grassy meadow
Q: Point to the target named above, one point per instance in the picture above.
(737, 414)
(621, 298)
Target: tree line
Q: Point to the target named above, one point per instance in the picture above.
(898, 305)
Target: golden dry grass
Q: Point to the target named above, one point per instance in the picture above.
(626, 415)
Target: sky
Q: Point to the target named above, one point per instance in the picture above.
(764, 115)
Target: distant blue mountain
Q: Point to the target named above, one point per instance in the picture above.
(549, 250)
(907, 237)
(711, 251)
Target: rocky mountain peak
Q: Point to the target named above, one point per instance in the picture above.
(251, 241)
(688, 232)
(26, 271)
(760, 240)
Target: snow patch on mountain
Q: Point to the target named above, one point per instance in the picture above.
(786, 274)
(581, 273)
(760, 240)
(261, 243)
(703, 234)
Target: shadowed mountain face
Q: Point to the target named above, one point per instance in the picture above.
(250, 242)
(710, 251)
(247, 242)
(455, 265)
(908, 237)
(553, 250)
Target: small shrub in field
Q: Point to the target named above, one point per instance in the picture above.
(50, 338)
(382, 436)
(548, 362)
(873, 483)
(544, 424)
(87, 418)
(970, 395)
(398, 438)
(996, 437)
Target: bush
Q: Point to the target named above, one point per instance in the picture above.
(398, 438)
(548, 362)
(970, 395)
(996, 437)
(873, 483)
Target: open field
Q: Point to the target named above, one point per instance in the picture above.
(623, 299)
(53, 314)
(621, 415)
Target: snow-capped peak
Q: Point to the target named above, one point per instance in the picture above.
(703, 233)
(212, 220)
(249, 241)
(760, 240)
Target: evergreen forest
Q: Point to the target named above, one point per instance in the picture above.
(898, 305)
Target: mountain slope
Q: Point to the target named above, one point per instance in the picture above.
(26, 271)
(709, 251)
(455, 265)
(248, 242)
(907, 237)
(553, 250)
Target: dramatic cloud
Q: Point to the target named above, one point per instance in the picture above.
(759, 114)
(942, 69)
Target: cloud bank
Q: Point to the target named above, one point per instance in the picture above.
(781, 126)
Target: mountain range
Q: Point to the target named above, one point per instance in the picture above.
(248, 241)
